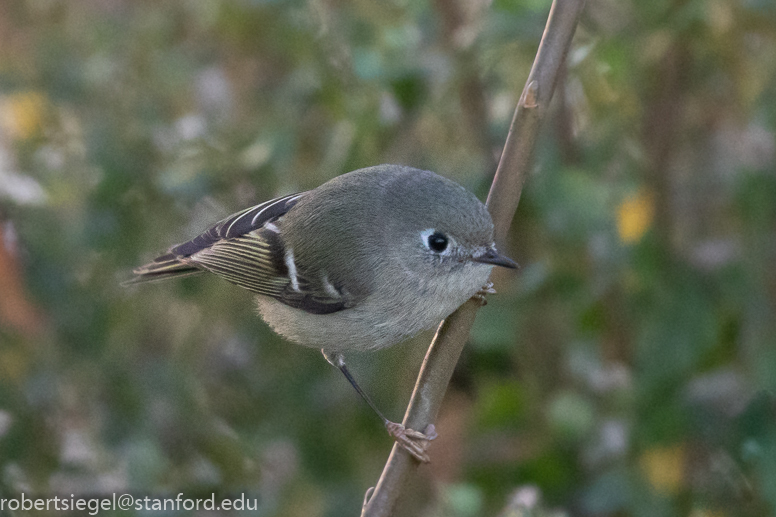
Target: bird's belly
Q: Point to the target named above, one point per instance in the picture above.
(356, 328)
(377, 321)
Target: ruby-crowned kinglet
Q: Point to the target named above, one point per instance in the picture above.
(362, 262)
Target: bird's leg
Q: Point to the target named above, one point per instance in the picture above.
(486, 290)
(415, 442)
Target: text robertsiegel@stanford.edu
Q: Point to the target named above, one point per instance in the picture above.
(94, 504)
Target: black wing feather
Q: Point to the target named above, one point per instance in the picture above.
(238, 224)
(243, 251)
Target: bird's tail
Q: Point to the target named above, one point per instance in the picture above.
(162, 268)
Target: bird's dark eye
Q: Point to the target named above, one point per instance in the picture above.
(437, 242)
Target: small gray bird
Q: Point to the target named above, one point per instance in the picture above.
(363, 262)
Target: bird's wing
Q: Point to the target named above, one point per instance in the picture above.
(247, 250)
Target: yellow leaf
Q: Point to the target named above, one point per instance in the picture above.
(21, 114)
(634, 217)
(664, 468)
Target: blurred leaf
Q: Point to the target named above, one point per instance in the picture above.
(570, 416)
(665, 468)
(22, 114)
(634, 217)
(501, 404)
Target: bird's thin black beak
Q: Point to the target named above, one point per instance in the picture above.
(491, 256)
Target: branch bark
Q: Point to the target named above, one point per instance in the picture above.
(504, 196)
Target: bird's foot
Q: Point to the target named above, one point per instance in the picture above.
(414, 442)
(480, 296)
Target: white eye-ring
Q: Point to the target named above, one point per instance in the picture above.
(436, 241)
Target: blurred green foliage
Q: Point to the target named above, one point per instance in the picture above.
(627, 369)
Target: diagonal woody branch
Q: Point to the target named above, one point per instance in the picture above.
(504, 196)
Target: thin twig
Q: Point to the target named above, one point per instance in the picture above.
(504, 196)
